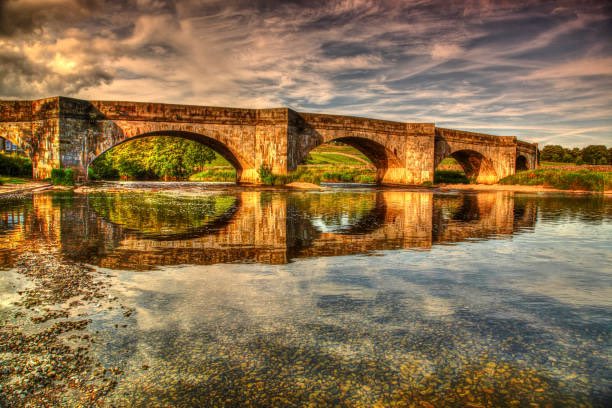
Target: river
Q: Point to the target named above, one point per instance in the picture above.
(346, 297)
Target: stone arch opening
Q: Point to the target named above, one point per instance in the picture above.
(475, 165)
(336, 161)
(368, 160)
(449, 171)
(521, 163)
(378, 154)
(230, 157)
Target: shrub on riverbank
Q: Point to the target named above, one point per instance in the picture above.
(562, 179)
(450, 177)
(62, 177)
(15, 165)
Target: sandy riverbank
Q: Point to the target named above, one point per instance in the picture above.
(31, 186)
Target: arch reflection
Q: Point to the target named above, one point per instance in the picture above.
(129, 231)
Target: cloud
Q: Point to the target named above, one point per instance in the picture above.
(537, 69)
(580, 68)
(27, 16)
(445, 51)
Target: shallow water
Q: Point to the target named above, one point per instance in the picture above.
(348, 297)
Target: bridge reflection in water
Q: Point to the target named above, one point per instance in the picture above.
(128, 231)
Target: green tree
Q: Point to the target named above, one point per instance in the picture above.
(595, 154)
(553, 153)
(129, 159)
(177, 158)
(153, 158)
(102, 169)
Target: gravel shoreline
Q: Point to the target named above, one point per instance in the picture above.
(45, 343)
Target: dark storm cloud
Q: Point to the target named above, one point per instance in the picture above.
(24, 17)
(538, 69)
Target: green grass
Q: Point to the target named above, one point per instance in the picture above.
(321, 174)
(322, 155)
(448, 161)
(218, 161)
(216, 174)
(552, 164)
(562, 179)
(330, 158)
(13, 180)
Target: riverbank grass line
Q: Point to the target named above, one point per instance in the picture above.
(587, 180)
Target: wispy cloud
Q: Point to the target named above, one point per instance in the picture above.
(539, 70)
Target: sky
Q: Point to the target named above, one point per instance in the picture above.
(538, 70)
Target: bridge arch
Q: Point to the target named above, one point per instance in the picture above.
(475, 165)
(381, 157)
(225, 151)
(521, 163)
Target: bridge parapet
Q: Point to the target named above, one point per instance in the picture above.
(176, 113)
(351, 123)
(474, 137)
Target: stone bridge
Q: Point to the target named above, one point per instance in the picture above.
(71, 133)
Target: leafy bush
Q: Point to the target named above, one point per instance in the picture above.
(15, 165)
(62, 177)
(267, 177)
(450, 177)
(102, 169)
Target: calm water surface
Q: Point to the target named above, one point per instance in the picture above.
(349, 298)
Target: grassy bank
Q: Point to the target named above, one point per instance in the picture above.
(220, 174)
(573, 178)
(13, 180)
(317, 174)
